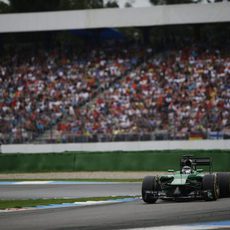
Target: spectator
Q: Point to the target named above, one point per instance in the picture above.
(115, 91)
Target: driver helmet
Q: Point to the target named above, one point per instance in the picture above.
(186, 169)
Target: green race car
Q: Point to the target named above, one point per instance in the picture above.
(190, 182)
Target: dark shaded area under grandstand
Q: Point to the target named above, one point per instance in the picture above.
(150, 87)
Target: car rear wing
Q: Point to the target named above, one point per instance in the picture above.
(196, 161)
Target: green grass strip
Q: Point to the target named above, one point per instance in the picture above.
(5, 204)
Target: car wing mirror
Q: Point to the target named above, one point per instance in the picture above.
(199, 170)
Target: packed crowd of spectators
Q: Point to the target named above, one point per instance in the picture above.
(115, 92)
(180, 93)
(37, 91)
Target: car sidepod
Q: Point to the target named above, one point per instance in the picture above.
(181, 187)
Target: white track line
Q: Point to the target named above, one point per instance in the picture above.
(63, 205)
(58, 182)
(198, 226)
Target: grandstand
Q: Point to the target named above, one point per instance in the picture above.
(150, 87)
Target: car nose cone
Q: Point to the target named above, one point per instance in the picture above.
(177, 191)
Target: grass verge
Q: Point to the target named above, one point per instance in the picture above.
(5, 204)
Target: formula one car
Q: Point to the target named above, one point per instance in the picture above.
(189, 182)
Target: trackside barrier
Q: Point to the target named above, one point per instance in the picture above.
(117, 146)
(108, 161)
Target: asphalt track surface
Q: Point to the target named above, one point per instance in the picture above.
(33, 191)
(135, 214)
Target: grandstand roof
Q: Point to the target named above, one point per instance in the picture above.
(114, 17)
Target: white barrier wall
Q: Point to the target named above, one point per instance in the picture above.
(117, 146)
(115, 17)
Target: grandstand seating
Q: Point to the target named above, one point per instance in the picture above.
(115, 93)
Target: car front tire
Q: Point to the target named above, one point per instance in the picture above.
(224, 184)
(210, 187)
(149, 186)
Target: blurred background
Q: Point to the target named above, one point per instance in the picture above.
(135, 83)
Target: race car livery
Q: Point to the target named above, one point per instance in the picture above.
(190, 182)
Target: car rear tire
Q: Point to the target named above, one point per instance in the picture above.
(149, 186)
(224, 184)
(210, 187)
